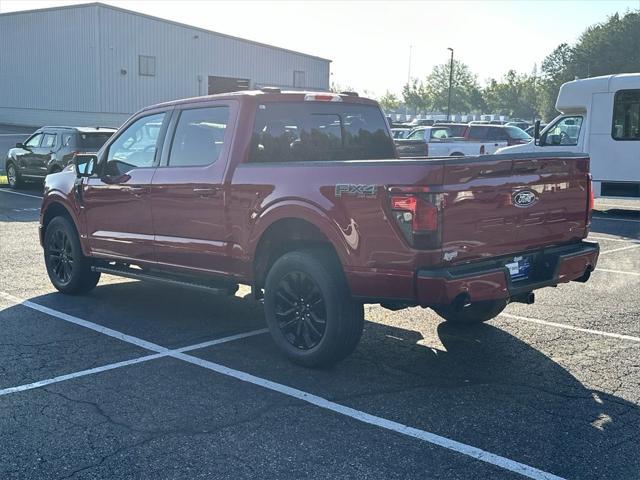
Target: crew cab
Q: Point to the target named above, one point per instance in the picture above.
(300, 195)
(436, 141)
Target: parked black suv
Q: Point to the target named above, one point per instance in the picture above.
(50, 149)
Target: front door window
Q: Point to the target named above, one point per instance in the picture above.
(565, 132)
(136, 146)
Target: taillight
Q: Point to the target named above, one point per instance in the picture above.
(416, 211)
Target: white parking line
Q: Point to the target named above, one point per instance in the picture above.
(616, 271)
(632, 208)
(571, 327)
(125, 363)
(620, 249)
(468, 450)
(624, 240)
(82, 373)
(364, 417)
(3, 190)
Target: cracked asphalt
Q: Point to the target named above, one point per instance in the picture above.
(562, 401)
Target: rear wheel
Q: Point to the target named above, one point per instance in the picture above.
(311, 316)
(13, 177)
(69, 270)
(472, 313)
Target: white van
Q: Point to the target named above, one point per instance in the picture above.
(599, 116)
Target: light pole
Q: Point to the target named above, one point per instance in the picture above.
(450, 85)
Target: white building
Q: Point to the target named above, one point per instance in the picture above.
(95, 64)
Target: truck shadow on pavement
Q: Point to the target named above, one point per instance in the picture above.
(478, 385)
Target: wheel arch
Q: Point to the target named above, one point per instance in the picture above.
(55, 207)
(293, 228)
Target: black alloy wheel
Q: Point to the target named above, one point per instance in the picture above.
(60, 256)
(69, 270)
(300, 310)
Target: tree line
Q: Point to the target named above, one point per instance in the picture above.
(606, 48)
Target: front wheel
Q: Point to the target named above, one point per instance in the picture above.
(13, 177)
(472, 313)
(311, 316)
(69, 270)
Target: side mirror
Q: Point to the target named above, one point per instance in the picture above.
(20, 145)
(85, 165)
(536, 132)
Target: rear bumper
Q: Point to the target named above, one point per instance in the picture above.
(490, 280)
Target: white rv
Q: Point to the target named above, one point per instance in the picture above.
(599, 116)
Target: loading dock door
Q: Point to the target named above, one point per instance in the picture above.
(227, 84)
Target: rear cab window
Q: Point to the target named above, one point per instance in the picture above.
(319, 131)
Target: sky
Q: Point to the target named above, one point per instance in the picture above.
(369, 41)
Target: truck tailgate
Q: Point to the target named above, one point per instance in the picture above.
(500, 205)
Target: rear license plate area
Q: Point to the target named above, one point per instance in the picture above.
(519, 267)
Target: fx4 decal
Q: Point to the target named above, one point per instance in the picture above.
(356, 190)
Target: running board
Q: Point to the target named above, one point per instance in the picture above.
(159, 278)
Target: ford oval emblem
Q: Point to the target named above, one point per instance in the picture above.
(524, 198)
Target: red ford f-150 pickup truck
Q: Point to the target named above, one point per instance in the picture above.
(301, 196)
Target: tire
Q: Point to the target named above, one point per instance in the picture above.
(327, 328)
(13, 176)
(69, 270)
(472, 313)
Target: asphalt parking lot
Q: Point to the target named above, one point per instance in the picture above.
(139, 381)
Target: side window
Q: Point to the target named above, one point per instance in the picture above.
(626, 115)
(440, 133)
(479, 133)
(319, 132)
(66, 139)
(416, 135)
(49, 140)
(199, 136)
(565, 132)
(136, 146)
(34, 141)
(498, 134)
